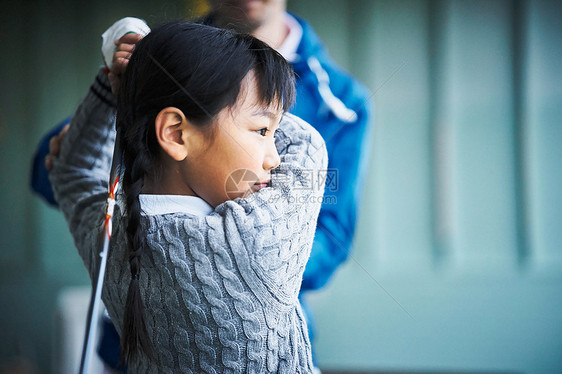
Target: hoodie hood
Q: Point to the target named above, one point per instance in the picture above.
(309, 54)
(311, 64)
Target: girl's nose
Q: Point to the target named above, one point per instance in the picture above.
(272, 159)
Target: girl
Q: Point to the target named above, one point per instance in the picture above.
(207, 252)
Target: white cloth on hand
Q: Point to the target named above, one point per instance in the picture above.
(116, 31)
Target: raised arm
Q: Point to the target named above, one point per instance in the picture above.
(81, 172)
(271, 232)
(116, 56)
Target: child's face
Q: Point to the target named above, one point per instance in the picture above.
(242, 154)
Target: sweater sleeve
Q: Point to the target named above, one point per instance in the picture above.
(80, 174)
(271, 231)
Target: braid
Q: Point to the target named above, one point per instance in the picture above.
(135, 336)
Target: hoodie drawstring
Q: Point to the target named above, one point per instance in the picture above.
(339, 109)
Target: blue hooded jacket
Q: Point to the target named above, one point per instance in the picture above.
(338, 107)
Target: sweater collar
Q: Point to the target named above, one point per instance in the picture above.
(153, 205)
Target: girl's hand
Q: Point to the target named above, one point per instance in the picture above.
(125, 47)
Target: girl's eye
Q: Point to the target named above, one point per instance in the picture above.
(263, 131)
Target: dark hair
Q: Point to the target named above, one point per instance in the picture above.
(198, 69)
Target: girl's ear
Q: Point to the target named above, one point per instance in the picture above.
(171, 128)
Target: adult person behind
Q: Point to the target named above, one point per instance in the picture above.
(327, 97)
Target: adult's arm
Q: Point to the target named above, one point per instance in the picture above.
(348, 145)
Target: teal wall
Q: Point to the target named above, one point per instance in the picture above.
(458, 254)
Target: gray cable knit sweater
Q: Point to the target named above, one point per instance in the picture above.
(220, 291)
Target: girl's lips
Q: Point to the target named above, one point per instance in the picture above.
(260, 185)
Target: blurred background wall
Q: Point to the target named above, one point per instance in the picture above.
(458, 254)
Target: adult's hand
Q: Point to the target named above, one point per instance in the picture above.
(54, 147)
